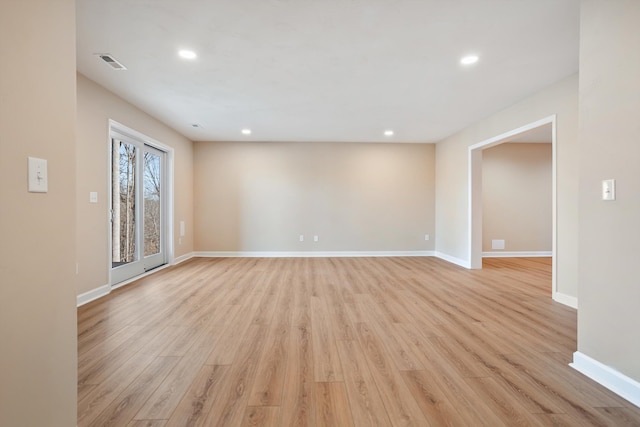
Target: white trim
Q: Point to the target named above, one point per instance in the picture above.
(139, 276)
(474, 207)
(565, 299)
(461, 262)
(93, 294)
(139, 136)
(496, 140)
(622, 385)
(517, 254)
(311, 254)
(183, 258)
(96, 293)
(554, 208)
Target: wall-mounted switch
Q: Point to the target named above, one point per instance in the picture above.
(38, 180)
(182, 229)
(426, 237)
(609, 189)
(315, 238)
(301, 237)
(93, 197)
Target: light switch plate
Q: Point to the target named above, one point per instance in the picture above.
(93, 197)
(38, 180)
(608, 189)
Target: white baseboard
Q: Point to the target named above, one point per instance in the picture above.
(517, 254)
(615, 381)
(461, 262)
(565, 299)
(93, 294)
(183, 258)
(311, 254)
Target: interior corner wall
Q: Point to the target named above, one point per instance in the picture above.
(517, 197)
(96, 105)
(609, 312)
(38, 341)
(452, 159)
(261, 196)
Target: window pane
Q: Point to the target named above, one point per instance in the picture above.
(152, 184)
(124, 203)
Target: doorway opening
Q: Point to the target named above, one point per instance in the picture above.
(475, 192)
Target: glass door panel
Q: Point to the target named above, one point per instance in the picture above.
(153, 207)
(152, 204)
(124, 198)
(137, 208)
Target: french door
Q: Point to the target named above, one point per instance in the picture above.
(137, 207)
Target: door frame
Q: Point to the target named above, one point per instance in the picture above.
(167, 202)
(475, 195)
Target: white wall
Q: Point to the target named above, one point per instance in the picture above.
(609, 315)
(452, 192)
(256, 196)
(96, 105)
(517, 197)
(37, 230)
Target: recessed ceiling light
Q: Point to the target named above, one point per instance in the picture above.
(388, 132)
(246, 131)
(187, 54)
(469, 59)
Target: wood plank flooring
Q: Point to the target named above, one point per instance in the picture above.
(337, 342)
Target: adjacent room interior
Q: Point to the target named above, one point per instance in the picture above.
(359, 213)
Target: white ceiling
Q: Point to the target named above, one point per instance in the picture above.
(331, 70)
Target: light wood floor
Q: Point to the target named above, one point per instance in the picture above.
(337, 342)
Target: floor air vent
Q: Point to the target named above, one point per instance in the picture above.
(111, 61)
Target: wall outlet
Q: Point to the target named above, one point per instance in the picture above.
(497, 244)
(315, 238)
(93, 197)
(301, 237)
(426, 237)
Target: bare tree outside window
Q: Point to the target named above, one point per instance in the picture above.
(152, 184)
(127, 167)
(124, 202)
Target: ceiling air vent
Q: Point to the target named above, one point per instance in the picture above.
(111, 61)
